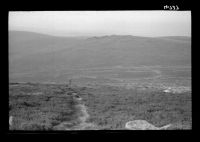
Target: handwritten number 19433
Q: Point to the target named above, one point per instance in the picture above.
(171, 7)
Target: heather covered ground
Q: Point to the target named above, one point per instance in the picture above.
(36, 106)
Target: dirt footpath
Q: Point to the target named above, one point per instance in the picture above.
(80, 123)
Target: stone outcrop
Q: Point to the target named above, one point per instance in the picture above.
(143, 125)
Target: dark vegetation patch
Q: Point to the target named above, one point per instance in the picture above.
(108, 107)
(39, 112)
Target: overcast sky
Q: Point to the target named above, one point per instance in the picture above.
(98, 23)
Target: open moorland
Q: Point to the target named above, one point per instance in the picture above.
(98, 83)
(158, 95)
(37, 106)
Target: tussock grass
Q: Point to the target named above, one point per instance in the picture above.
(41, 112)
(109, 107)
(112, 108)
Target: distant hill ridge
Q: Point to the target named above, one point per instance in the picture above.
(27, 34)
(183, 38)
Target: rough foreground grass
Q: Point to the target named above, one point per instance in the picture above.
(44, 106)
(39, 107)
(111, 108)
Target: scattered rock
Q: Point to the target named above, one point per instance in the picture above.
(11, 120)
(143, 125)
(180, 89)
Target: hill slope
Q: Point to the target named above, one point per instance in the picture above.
(33, 53)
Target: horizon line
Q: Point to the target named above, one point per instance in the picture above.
(88, 36)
